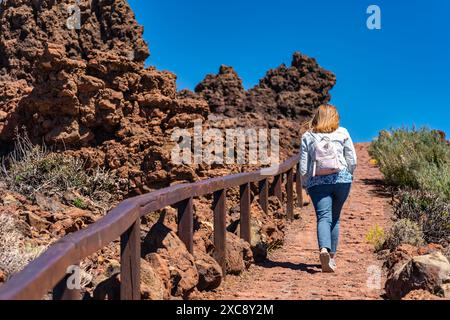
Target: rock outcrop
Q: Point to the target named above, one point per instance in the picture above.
(224, 92)
(285, 92)
(87, 92)
(27, 26)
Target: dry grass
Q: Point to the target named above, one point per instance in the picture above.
(15, 251)
(30, 169)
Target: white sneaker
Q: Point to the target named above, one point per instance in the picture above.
(325, 260)
(333, 264)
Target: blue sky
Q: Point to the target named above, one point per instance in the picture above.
(399, 75)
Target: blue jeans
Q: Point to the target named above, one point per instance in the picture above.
(328, 200)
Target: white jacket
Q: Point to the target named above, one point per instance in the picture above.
(344, 146)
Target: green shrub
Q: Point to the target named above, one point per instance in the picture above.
(31, 169)
(418, 159)
(417, 163)
(404, 231)
(429, 211)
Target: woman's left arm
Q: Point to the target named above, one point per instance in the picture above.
(350, 154)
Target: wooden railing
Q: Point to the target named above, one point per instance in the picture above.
(48, 271)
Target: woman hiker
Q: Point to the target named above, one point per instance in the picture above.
(328, 160)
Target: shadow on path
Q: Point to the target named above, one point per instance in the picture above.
(304, 267)
(380, 188)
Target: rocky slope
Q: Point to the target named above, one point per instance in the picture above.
(87, 94)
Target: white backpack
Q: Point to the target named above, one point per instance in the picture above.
(325, 157)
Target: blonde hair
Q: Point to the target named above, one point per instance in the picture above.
(326, 119)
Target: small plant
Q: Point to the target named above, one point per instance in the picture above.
(404, 231)
(79, 203)
(376, 237)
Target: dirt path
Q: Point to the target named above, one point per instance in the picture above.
(293, 272)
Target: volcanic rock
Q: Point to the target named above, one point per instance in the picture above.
(183, 273)
(152, 286)
(224, 91)
(428, 272)
(293, 92)
(239, 255)
(209, 271)
(160, 266)
(27, 25)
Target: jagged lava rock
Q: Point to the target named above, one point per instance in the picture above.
(27, 25)
(224, 91)
(293, 92)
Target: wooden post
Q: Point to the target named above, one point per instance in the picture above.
(277, 192)
(290, 195)
(186, 223)
(130, 263)
(299, 187)
(62, 292)
(264, 195)
(219, 208)
(245, 203)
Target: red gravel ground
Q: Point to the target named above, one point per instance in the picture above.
(293, 271)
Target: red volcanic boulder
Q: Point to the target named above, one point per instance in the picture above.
(429, 272)
(239, 255)
(183, 273)
(209, 271)
(108, 285)
(160, 266)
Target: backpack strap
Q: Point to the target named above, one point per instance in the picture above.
(313, 135)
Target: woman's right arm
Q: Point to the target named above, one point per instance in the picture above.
(304, 159)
